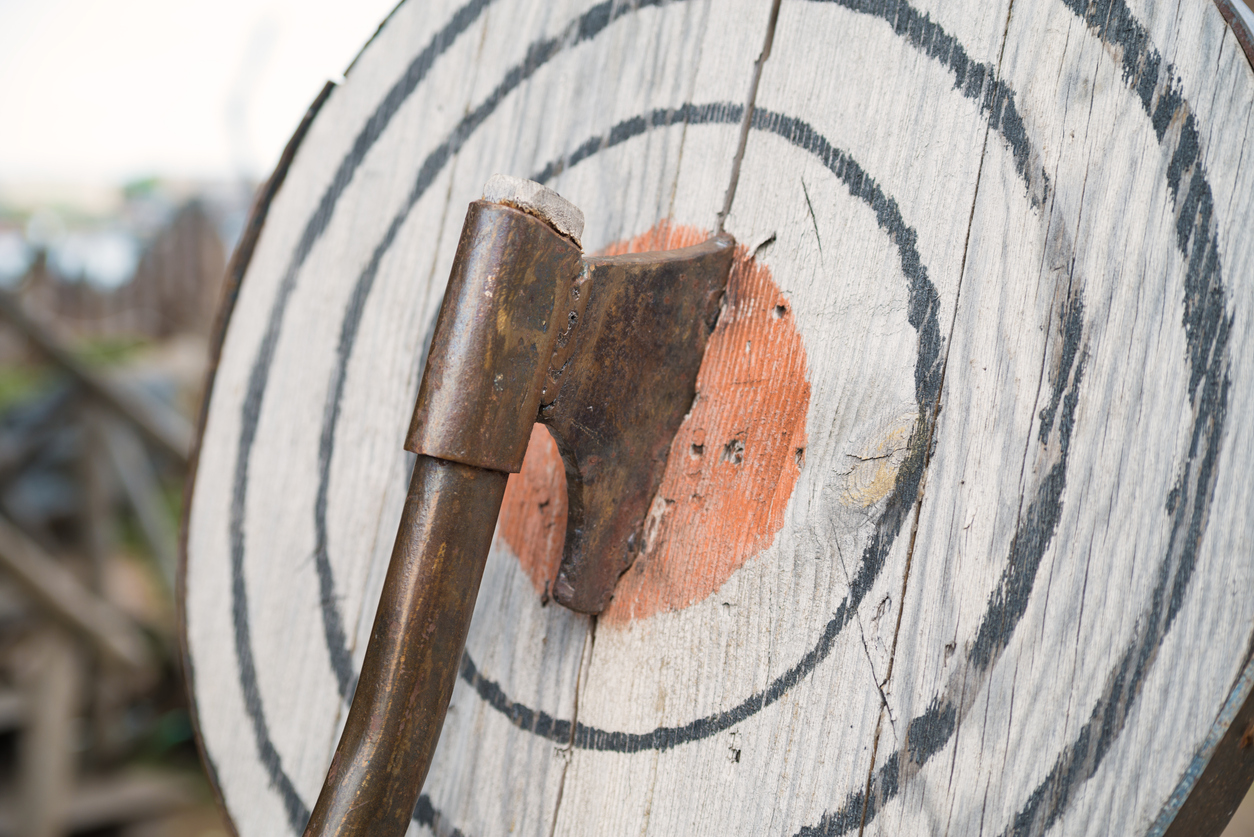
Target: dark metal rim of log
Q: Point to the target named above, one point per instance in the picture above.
(1209, 793)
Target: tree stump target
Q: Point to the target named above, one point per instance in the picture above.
(957, 537)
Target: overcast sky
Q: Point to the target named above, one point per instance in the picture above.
(108, 91)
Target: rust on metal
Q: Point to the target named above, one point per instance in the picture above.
(415, 647)
(493, 339)
(616, 393)
(605, 351)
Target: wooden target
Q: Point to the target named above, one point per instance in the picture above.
(957, 537)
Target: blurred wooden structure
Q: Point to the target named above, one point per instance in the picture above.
(175, 290)
(84, 640)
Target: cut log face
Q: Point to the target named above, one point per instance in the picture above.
(956, 537)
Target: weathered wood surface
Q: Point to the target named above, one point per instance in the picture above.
(957, 537)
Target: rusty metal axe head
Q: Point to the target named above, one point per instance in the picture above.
(602, 350)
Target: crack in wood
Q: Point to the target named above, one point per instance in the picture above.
(747, 120)
(931, 431)
(585, 662)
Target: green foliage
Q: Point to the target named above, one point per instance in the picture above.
(21, 382)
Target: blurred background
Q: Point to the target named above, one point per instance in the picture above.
(134, 136)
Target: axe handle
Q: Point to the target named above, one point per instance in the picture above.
(415, 650)
(479, 397)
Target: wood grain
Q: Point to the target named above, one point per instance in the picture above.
(956, 538)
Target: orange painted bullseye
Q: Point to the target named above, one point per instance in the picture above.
(731, 469)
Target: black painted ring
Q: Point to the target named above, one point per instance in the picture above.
(571, 162)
